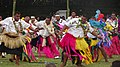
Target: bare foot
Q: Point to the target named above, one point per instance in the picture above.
(106, 61)
(62, 65)
(17, 62)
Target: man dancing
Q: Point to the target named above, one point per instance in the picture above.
(12, 38)
(73, 43)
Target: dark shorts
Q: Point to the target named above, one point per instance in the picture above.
(35, 41)
(16, 51)
(119, 36)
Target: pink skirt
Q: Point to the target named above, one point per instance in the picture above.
(50, 50)
(114, 49)
(68, 44)
(115, 45)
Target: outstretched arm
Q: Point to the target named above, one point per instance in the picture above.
(64, 28)
(95, 34)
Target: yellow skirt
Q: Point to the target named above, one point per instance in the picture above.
(93, 42)
(84, 50)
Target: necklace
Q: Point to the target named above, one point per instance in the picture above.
(16, 28)
(50, 28)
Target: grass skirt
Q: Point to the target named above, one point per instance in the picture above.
(12, 42)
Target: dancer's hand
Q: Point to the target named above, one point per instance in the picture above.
(99, 36)
(36, 30)
(41, 28)
(60, 33)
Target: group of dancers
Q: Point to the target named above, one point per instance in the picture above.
(80, 39)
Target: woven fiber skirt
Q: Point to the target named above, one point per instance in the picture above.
(12, 44)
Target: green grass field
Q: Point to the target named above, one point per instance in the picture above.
(4, 62)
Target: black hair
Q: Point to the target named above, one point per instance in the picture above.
(116, 63)
(48, 17)
(73, 11)
(113, 13)
(17, 12)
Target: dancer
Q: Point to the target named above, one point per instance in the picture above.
(47, 39)
(112, 27)
(1, 30)
(73, 44)
(12, 38)
(58, 25)
(105, 41)
(73, 15)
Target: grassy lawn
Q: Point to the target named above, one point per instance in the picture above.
(4, 62)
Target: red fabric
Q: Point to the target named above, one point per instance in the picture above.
(115, 45)
(114, 49)
(101, 16)
(53, 47)
(30, 53)
(50, 50)
(68, 44)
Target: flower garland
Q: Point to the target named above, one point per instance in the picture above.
(85, 27)
(21, 28)
(50, 28)
(115, 27)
